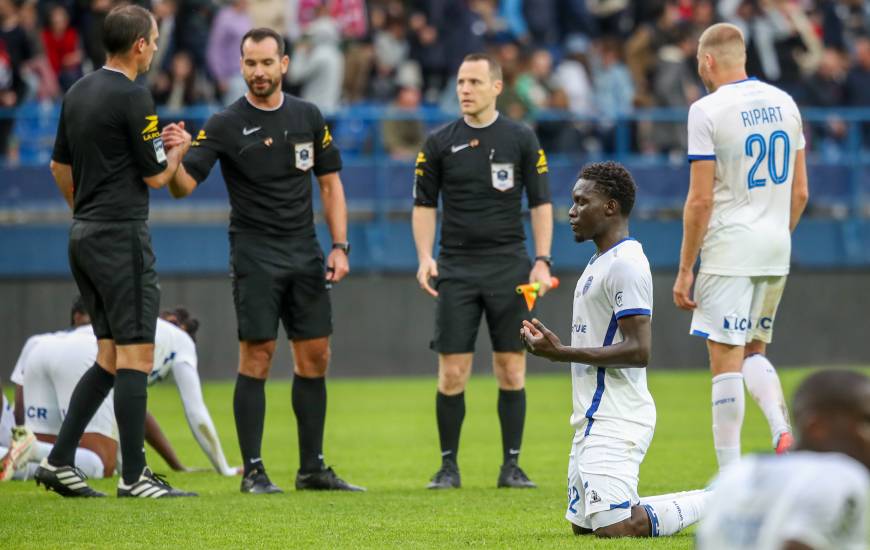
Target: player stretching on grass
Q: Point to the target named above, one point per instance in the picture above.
(614, 413)
(747, 190)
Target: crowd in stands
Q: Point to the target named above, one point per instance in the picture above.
(594, 59)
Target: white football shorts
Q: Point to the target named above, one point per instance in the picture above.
(736, 310)
(602, 480)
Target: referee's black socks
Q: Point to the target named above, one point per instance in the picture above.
(86, 398)
(450, 412)
(309, 405)
(249, 406)
(512, 417)
(131, 403)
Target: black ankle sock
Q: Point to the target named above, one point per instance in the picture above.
(450, 411)
(309, 405)
(86, 398)
(511, 416)
(131, 402)
(249, 406)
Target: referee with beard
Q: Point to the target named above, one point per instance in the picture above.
(268, 144)
(481, 165)
(107, 153)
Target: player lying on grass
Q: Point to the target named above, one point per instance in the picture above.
(814, 498)
(614, 413)
(50, 366)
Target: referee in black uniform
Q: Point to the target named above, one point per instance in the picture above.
(107, 153)
(268, 144)
(481, 165)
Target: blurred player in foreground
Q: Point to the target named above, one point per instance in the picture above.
(747, 191)
(614, 413)
(814, 498)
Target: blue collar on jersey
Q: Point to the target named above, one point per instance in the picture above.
(739, 81)
(599, 254)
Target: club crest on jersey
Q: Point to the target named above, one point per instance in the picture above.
(618, 299)
(587, 284)
(304, 153)
(503, 176)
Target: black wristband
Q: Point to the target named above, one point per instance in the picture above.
(343, 246)
(546, 259)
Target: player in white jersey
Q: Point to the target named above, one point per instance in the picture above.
(49, 370)
(747, 191)
(614, 413)
(815, 498)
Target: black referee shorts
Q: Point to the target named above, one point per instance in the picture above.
(113, 266)
(469, 286)
(283, 278)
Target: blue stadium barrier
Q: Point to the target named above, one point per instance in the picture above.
(378, 187)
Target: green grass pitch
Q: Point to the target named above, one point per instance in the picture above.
(381, 433)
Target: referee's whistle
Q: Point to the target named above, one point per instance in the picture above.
(530, 291)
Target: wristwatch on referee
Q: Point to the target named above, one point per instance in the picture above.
(343, 246)
(546, 259)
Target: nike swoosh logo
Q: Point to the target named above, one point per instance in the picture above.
(457, 148)
(513, 451)
(249, 131)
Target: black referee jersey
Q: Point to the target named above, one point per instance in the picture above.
(109, 133)
(480, 174)
(266, 159)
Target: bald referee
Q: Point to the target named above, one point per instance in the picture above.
(481, 166)
(107, 153)
(269, 144)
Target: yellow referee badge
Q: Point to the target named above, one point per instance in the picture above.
(150, 131)
(421, 159)
(327, 138)
(541, 165)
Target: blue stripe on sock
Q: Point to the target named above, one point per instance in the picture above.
(653, 520)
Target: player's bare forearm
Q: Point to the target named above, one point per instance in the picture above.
(800, 189)
(542, 228)
(63, 178)
(154, 436)
(633, 351)
(334, 206)
(697, 211)
(423, 222)
(182, 184)
(173, 161)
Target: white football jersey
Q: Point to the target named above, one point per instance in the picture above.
(611, 401)
(31, 343)
(171, 345)
(818, 499)
(753, 131)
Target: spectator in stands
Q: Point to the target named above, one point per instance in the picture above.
(542, 19)
(318, 64)
(858, 81)
(164, 13)
(403, 137)
(229, 26)
(614, 88)
(429, 53)
(36, 70)
(61, 43)
(537, 84)
(92, 31)
(192, 21)
(572, 76)
(675, 85)
(510, 103)
(391, 50)
(642, 48)
(827, 88)
(182, 85)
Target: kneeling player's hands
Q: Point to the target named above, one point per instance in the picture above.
(428, 270)
(541, 274)
(540, 340)
(337, 265)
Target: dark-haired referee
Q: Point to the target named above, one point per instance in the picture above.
(107, 153)
(481, 165)
(269, 144)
